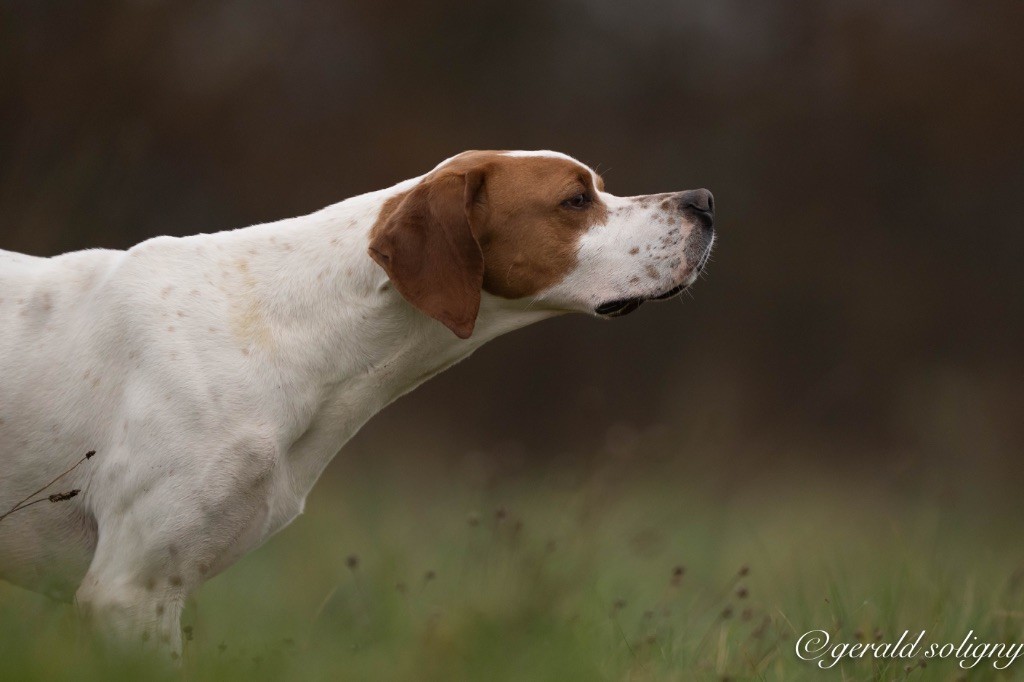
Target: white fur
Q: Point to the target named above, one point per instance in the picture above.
(216, 376)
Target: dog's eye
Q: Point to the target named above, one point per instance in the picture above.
(579, 201)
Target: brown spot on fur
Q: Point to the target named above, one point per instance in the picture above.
(652, 272)
(175, 580)
(635, 250)
(159, 609)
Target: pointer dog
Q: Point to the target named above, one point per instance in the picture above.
(216, 376)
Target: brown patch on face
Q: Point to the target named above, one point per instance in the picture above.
(485, 220)
(528, 237)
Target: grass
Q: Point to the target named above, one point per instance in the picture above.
(614, 573)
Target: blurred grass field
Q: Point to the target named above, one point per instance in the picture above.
(616, 571)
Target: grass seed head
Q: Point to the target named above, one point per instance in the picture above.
(61, 497)
(677, 575)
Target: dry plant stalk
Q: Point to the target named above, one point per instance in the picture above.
(56, 497)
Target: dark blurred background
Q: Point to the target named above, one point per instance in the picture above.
(863, 310)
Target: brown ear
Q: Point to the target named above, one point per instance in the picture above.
(428, 250)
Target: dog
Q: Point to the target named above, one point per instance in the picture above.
(215, 376)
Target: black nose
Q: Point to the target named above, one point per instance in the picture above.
(698, 201)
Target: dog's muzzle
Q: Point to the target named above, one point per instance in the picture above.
(699, 206)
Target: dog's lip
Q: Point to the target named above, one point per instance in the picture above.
(624, 306)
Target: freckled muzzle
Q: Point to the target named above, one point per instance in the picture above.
(698, 205)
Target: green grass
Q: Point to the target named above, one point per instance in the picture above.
(609, 574)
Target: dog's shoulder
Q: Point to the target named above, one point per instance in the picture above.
(33, 289)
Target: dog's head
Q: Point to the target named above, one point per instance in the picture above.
(537, 226)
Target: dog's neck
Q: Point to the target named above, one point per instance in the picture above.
(342, 343)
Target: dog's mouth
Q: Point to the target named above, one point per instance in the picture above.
(624, 306)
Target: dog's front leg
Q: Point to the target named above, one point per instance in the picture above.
(162, 538)
(127, 610)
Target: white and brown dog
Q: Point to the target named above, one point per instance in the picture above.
(217, 375)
